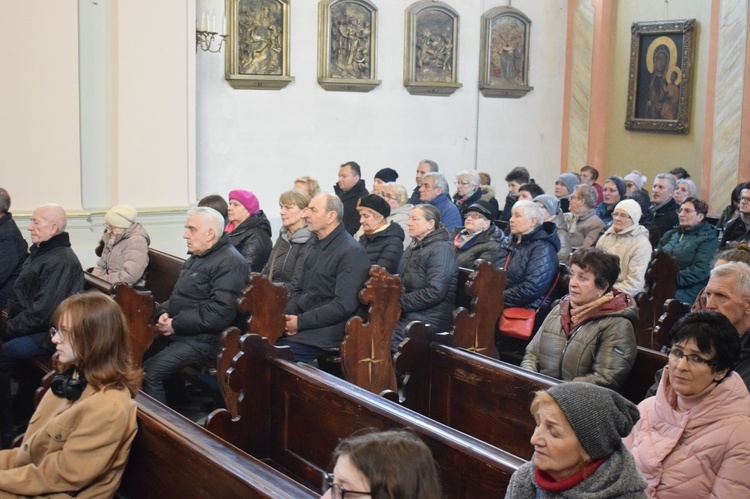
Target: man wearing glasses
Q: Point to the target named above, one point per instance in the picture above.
(50, 274)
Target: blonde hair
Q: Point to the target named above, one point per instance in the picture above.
(312, 186)
(397, 190)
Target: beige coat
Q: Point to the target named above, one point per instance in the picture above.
(124, 257)
(72, 446)
(634, 250)
(584, 230)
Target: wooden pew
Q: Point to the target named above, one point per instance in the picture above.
(674, 310)
(173, 457)
(661, 284)
(641, 377)
(294, 416)
(162, 273)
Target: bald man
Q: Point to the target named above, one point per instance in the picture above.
(50, 274)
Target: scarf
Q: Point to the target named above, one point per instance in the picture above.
(579, 312)
(546, 482)
(463, 238)
(378, 229)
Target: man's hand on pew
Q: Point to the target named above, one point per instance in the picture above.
(291, 325)
(164, 325)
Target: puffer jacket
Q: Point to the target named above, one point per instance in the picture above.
(601, 349)
(450, 217)
(204, 297)
(252, 238)
(484, 245)
(349, 200)
(584, 229)
(50, 274)
(701, 452)
(532, 266)
(633, 248)
(124, 257)
(385, 247)
(288, 257)
(14, 251)
(429, 275)
(693, 249)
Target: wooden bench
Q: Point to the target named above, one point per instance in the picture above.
(674, 310)
(162, 273)
(173, 457)
(294, 415)
(661, 284)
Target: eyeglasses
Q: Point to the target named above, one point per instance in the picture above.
(676, 355)
(54, 331)
(474, 214)
(577, 198)
(336, 491)
(386, 196)
(619, 214)
(745, 199)
(686, 211)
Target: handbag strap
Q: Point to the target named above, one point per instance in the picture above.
(551, 288)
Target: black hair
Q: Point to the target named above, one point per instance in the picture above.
(713, 334)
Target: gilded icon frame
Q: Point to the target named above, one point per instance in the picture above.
(504, 58)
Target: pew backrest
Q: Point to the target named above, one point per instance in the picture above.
(674, 310)
(162, 273)
(264, 302)
(661, 284)
(641, 377)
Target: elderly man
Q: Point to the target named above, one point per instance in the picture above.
(424, 166)
(728, 292)
(434, 190)
(202, 303)
(663, 206)
(13, 247)
(50, 274)
(325, 297)
(350, 188)
(739, 228)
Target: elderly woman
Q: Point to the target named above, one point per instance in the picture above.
(467, 190)
(248, 229)
(551, 212)
(287, 256)
(694, 435)
(589, 336)
(584, 226)
(398, 200)
(308, 185)
(479, 238)
(628, 240)
(693, 245)
(429, 274)
(613, 191)
(382, 240)
(686, 188)
(529, 256)
(79, 438)
(124, 256)
(578, 450)
(393, 464)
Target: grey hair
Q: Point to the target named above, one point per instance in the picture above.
(588, 193)
(739, 269)
(397, 190)
(433, 165)
(470, 175)
(668, 177)
(213, 218)
(430, 213)
(439, 181)
(530, 210)
(4, 201)
(692, 188)
(334, 204)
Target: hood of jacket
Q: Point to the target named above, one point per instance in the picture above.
(547, 231)
(135, 230)
(300, 236)
(621, 305)
(257, 221)
(488, 192)
(391, 230)
(359, 190)
(60, 240)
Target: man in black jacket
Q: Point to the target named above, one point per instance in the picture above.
(663, 205)
(50, 274)
(350, 188)
(13, 249)
(202, 303)
(325, 297)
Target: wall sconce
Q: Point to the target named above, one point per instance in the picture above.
(205, 33)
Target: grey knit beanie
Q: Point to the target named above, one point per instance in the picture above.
(600, 417)
(551, 203)
(569, 180)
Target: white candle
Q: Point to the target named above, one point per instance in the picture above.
(203, 21)
(213, 22)
(225, 26)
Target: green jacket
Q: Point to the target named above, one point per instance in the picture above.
(693, 249)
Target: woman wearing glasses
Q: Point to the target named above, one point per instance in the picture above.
(392, 464)
(398, 199)
(79, 437)
(693, 245)
(124, 248)
(479, 237)
(693, 438)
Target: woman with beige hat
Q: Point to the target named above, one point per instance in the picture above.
(125, 243)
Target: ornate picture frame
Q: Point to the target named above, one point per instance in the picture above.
(504, 58)
(431, 49)
(257, 56)
(661, 75)
(347, 45)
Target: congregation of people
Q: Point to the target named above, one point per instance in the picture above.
(691, 438)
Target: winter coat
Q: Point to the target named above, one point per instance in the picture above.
(72, 446)
(617, 478)
(633, 248)
(287, 257)
(665, 218)
(605, 214)
(484, 245)
(385, 246)
(204, 298)
(326, 295)
(349, 200)
(583, 229)
(252, 238)
(429, 274)
(510, 200)
(50, 274)
(532, 266)
(124, 256)
(701, 452)
(400, 216)
(601, 349)
(463, 203)
(449, 214)
(563, 254)
(416, 197)
(735, 230)
(693, 249)
(14, 250)
(727, 215)
(488, 194)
